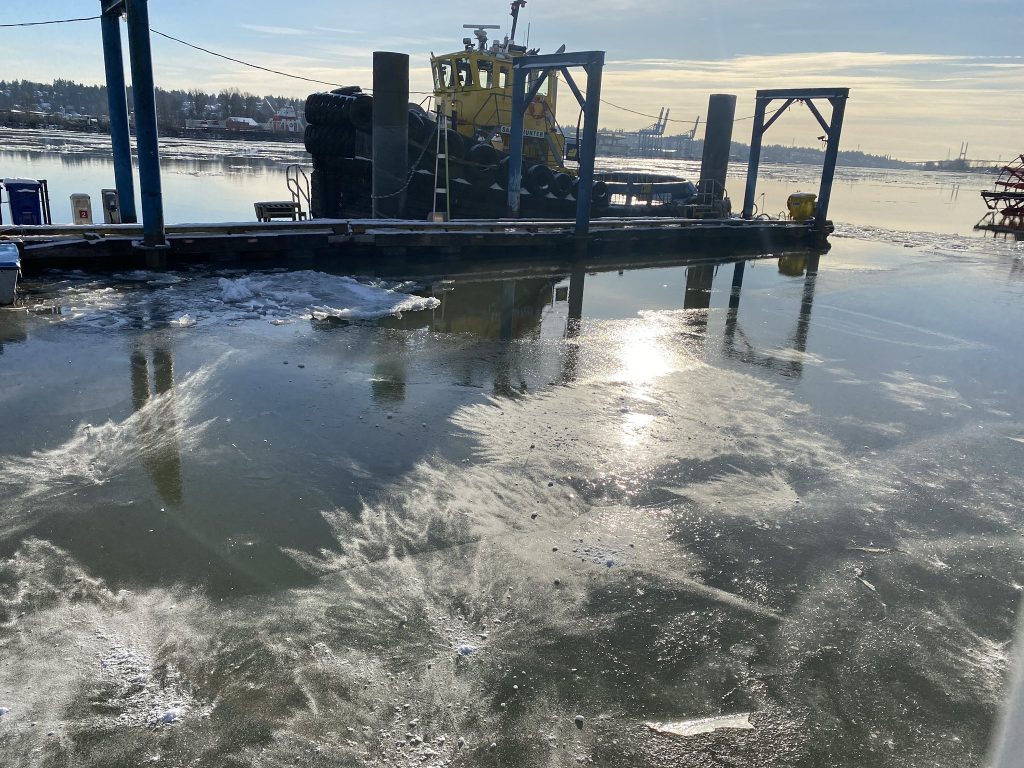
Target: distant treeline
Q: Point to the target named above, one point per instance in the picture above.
(776, 153)
(70, 102)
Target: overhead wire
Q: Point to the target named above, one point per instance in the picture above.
(310, 79)
(52, 21)
(657, 117)
(262, 68)
(244, 63)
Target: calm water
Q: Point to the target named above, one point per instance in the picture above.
(258, 519)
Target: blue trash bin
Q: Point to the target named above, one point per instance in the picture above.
(24, 199)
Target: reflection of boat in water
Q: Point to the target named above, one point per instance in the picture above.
(459, 152)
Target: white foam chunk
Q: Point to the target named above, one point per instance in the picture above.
(704, 725)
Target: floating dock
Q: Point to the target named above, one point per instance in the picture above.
(340, 242)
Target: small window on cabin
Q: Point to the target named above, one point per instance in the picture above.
(445, 75)
(504, 78)
(486, 74)
(465, 71)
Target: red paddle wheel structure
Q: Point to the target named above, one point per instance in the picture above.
(1005, 202)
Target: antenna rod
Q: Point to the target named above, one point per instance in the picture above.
(516, 5)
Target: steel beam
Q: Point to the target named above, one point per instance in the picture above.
(515, 159)
(144, 96)
(803, 93)
(828, 170)
(588, 148)
(559, 60)
(117, 104)
(593, 64)
(778, 114)
(754, 161)
(572, 85)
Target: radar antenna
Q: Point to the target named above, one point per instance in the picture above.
(480, 30)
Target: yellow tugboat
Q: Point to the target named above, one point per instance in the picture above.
(458, 151)
(473, 87)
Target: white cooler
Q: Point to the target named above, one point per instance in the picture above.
(10, 269)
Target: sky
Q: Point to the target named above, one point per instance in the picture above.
(924, 76)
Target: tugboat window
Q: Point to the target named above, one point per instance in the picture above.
(504, 81)
(486, 74)
(465, 73)
(445, 75)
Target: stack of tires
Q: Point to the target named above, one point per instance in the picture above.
(338, 126)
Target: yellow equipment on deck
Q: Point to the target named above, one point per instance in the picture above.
(802, 205)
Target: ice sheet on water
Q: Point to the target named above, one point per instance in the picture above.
(148, 300)
(242, 289)
(320, 296)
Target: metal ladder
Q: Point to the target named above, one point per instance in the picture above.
(442, 136)
(299, 187)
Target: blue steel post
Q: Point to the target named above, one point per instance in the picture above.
(828, 169)
(588, 150)
(515, 159)
(755, 157)
(120, 138)
(144, 95)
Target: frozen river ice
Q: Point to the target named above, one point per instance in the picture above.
(300, 518)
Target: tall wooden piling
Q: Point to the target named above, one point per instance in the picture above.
(390, 133)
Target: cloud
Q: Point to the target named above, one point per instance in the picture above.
(274, 30)
(912, 105)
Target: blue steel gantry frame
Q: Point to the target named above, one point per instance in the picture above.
(120, 136)
(837, 98)
(593, 64)
(144, 97)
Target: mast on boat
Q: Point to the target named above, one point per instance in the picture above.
(516, 6)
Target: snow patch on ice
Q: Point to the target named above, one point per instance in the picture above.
(704, 725)
(142, 299)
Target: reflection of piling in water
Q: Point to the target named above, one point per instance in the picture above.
(387, 387)
(508, 309)
(699, 280)
(803, 324)
(157, 427)
(734, 341)
(737, 284)
(576, 281)
(571, 352)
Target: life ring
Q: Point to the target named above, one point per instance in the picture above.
(537, 108)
